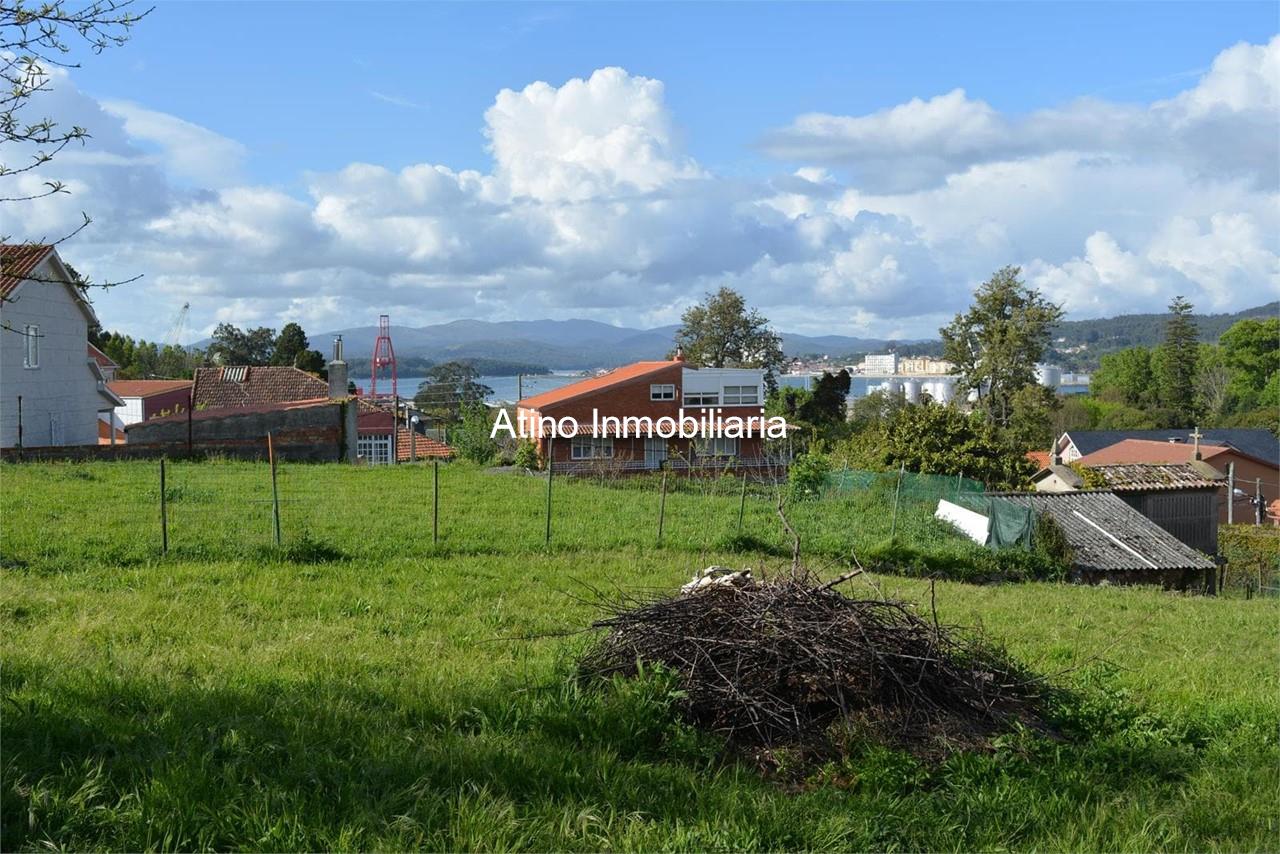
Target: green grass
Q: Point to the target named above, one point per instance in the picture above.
(364, 689)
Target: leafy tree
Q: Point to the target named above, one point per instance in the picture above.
(1212, 385)
(449, 388)
(471, 437)
(1175, 368)
(827, 400)
(932, 439)
(1031, 422)
(139, 360)
(1251, 351)
(1125, 377)
(232, 346)
(996, 344)
(723, 333)
(289, 344)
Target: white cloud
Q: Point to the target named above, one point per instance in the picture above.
(188, 151)
(594, 208)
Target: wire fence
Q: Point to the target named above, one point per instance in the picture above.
(131, 512)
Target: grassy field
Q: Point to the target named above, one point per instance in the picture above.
(362, 688)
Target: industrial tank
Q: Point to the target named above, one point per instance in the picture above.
(911, 388)
(1049, 376)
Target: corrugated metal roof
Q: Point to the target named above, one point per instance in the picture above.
(1150, 477)
(1107, 535)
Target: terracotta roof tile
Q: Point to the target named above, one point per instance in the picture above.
(101, 358)
(427, 448)
(145, 388)
(594, 384)
(238, 385)
(17, 261)
(1148, 451)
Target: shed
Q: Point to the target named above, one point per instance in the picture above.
(1114, 543)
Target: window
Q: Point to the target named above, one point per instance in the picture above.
(375, 449)
(716, 447)
(31, 356)
(660, 391)
(591, 448)
(741, 395)
(705, 398)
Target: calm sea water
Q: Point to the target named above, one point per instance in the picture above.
(506, 389)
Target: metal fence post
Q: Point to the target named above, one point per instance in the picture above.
(435, 501)
(893, 530)
(662, 506)
(275, 492)
(164, 513)
(742, 503)
(551, 464)
(1231, 493)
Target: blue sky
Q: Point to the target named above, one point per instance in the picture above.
(1095, 138)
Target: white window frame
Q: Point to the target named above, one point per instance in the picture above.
(662, 391)
(31, 352)
(742, 395)
(716, 446)
(375, 448)
(702, 398)
(591, 448)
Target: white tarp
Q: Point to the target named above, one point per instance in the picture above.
(973, 525)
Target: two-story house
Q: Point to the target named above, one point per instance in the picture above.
(619, 418)
(52, 389)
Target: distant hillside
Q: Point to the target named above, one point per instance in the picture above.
(1081, 343)
(558, 344)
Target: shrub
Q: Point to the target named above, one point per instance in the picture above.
(808, 476)
(527, 455)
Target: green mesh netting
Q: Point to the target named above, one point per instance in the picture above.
(1012, 524)
(915, 487)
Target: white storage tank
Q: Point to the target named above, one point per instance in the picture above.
(911, 388)
(1049, 376)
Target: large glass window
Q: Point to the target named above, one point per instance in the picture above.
(375, 449)
(705, 398)
(716, 447)
(741, 395)
(591, 448)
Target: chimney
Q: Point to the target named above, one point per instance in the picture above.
(679, 357)
(337, 372)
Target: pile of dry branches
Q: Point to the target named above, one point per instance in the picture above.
(780, 661)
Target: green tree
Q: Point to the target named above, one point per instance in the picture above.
(1212, 385)
(996, 344)
(232, 346)
(825, 407)
(1175, 365)
(723, 333)
(448, 389)
(1032, 419)
(1124, 377)
(932, 439)
(471, 437)
(1251, 351)
(289, 345)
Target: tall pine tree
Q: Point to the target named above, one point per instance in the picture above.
(1176, 363)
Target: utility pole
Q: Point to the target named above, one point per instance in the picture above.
(1231, 493)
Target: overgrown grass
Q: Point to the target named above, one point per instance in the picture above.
(364, 691)
(220, 510)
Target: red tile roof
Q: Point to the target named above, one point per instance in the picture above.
(238, 385)
(594, 384)
(1148, 451)
(232, 411)
(427, 447)
(17, 261)
(103, 360)
(146, 388)
(1040, 458)
(1149, 477)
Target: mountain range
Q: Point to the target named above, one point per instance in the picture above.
(585, 344)
(557, 344)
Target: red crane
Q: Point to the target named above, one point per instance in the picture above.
(384, 356)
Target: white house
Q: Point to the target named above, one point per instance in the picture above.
(52, 389)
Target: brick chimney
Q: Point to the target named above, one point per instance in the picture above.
(337, 372)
